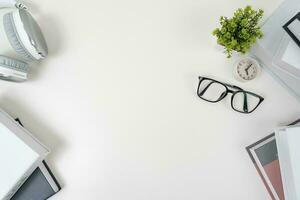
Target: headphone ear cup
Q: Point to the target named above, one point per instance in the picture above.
(14, 38)
(12, 69)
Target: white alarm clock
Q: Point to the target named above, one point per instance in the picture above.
(246, 69)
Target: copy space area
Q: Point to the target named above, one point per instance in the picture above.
(116, 101)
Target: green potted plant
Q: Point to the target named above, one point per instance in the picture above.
(240, 32)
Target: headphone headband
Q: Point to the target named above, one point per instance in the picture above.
(12, 3)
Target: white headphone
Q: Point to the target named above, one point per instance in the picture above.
(22, 41)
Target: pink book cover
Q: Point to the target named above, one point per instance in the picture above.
(265, 158)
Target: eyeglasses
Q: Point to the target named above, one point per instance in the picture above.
(214, 91)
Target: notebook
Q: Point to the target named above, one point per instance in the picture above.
(40, 185)
(20, 155)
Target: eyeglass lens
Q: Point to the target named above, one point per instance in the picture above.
(211, 90)
(245, 102)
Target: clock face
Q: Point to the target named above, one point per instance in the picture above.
(247, 69)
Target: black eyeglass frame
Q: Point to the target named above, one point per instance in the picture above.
(227, 90)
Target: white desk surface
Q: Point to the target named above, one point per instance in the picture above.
(116, 102)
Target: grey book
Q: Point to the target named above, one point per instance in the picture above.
(40, 185)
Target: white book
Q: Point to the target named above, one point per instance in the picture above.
(288, 56)
(287, 79)
(288, 145)
(273, 27)
(20, 155)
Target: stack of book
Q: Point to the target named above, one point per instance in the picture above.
(23, 170)
(277, 160)
(278, 50)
